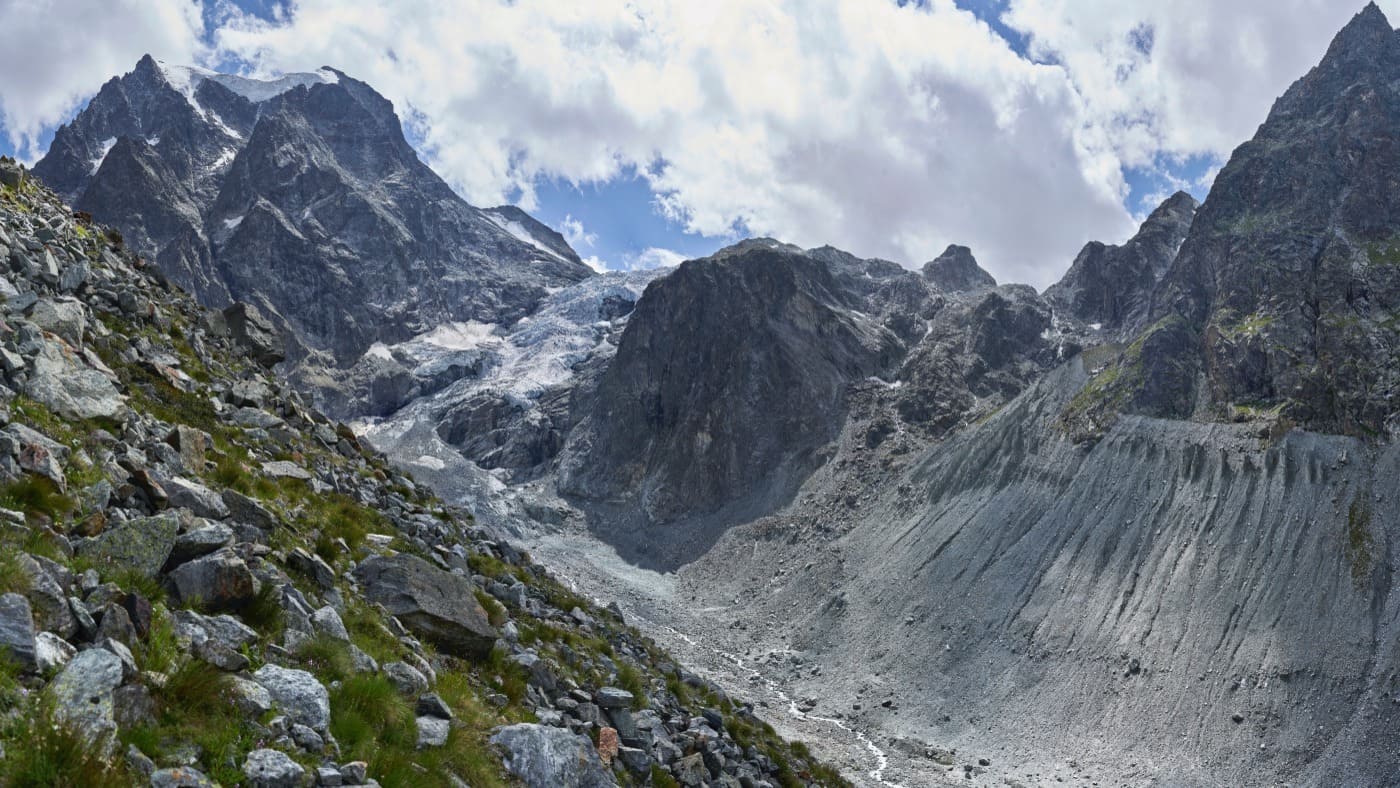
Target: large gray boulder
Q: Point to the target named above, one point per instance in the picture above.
(63, 317)
(219, 581)
(297, 694)
(71, 388)
(255, 334)
(17, 630)
(142, 545)
(272, 769)
(547, 757)
(188, 494)
(82, 693)
(438, 606)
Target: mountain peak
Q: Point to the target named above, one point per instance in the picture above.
(956, 270)
(1366, 32)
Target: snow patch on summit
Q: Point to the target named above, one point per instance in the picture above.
(187, 79)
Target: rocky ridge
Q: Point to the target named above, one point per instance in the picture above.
(299, 195)
(206, 581)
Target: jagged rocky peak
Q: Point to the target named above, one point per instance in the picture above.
(1110, 287)
(1280, 305)
(956, 271)
(300, 194)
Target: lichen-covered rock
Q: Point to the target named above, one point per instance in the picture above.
(547, 757)
(60, 380)
(140, 545)
(82, 692)
(272, 769)
(297, 694)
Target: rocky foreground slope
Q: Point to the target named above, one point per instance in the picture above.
(204, 581)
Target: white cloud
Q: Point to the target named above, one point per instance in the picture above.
(651, 257)
(888, 131)
(54, 53)
(573, 232)
(1186, 77)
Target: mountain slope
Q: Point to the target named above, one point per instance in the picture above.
(300, 195)
(737, 374)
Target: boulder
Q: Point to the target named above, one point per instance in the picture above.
(613, 698)
(283, 469)
(406, 678)
(192, 446)
(219, 581)
(438, 606)
(432, 731)
(63, 317)
(297, 694)
(255, 334)
(17, 630)
(187, 494)
(327, 622)
(82, 693)
(70, 388)
(272, 769)
(250, 697)
(546, 757)
(247, 510)
(47, 599)
(199, 542)
(141, 545)
(51, 653)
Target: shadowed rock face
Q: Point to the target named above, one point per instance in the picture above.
(735, 376)
(1283, 294)
(306, 202)
(1112, 285)
(730, 375)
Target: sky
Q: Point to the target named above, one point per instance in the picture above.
(652, 131)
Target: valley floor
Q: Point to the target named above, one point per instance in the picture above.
(736, 655)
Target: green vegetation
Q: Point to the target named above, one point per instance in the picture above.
(1360, 544)
(1383, 253)
(37, 497)
(54, 754)
(195, 705)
